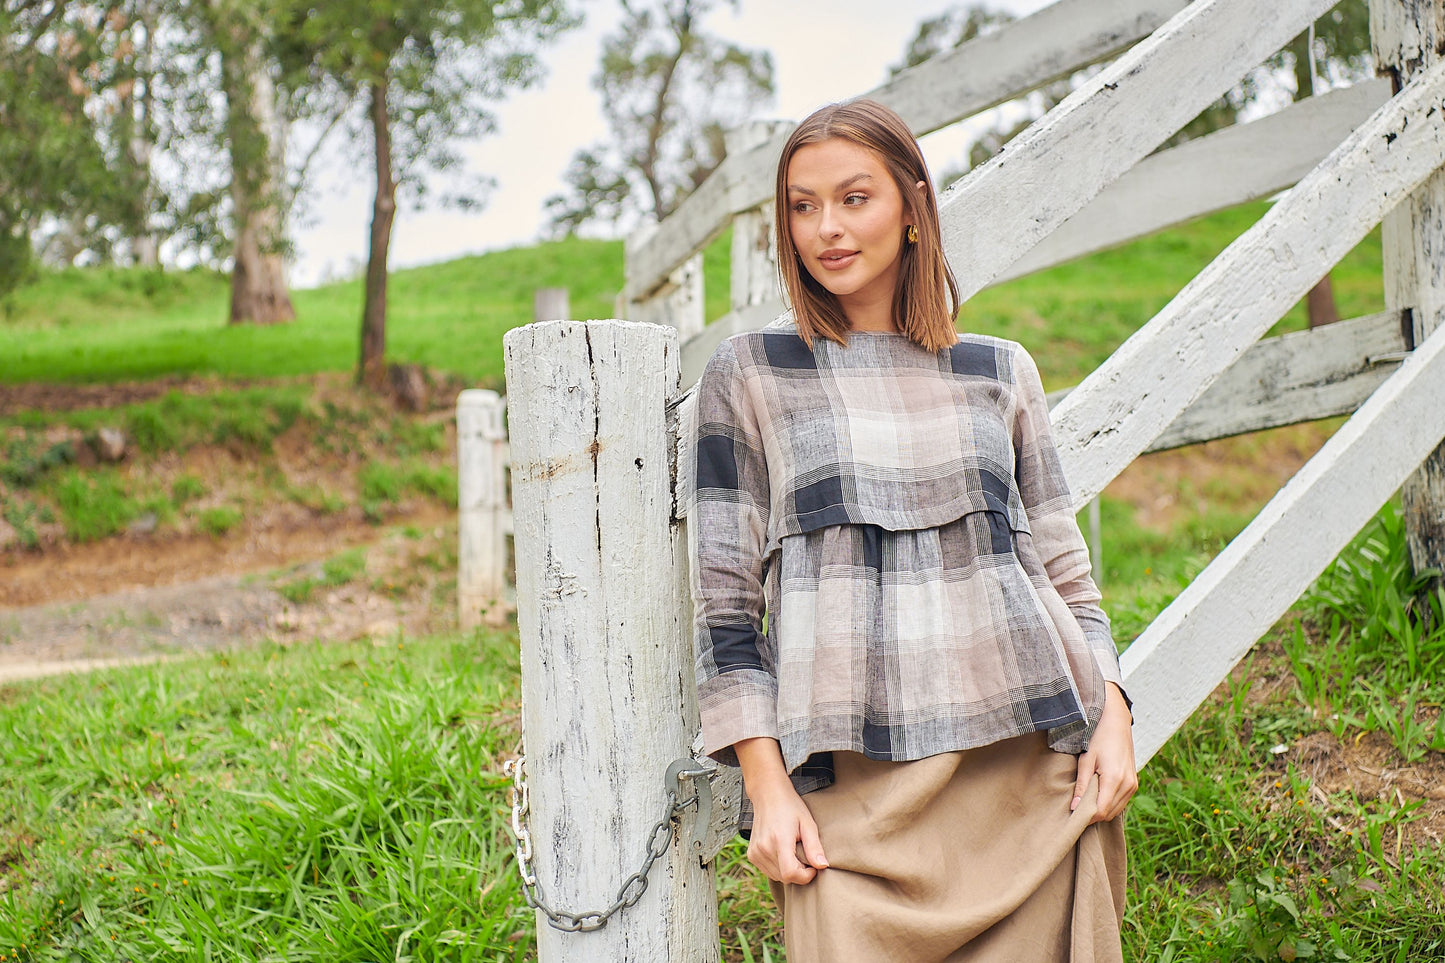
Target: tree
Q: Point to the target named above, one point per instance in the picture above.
(426, 71)
(953, 28)
(60, 169)
(669, 92)
(255, 136)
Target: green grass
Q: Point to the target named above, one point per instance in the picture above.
(384, 484)
(92, 325)
(312, 803)
(346, 802)
(108, 324)
(95, 504)
(336, 571)
(174, 438)
(219, 520)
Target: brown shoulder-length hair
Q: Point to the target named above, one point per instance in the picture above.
(926, 299)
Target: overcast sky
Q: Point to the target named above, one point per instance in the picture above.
(822, 51)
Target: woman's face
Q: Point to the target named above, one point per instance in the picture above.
(847, 218)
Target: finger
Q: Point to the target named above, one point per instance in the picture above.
(1114, 797)
(1108, 787)
(1125, 792)
(812, 844)
(792, 870)
(1081, 784)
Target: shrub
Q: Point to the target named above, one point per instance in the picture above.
(219, 521)
(94, 505)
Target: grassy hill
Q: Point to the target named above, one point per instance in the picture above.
(106, 324)
(324, 802)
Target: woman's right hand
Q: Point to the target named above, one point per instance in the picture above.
(781, 820)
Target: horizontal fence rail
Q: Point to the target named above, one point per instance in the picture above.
(1193, 644)
(1118, 411)
(1212, 173)
(980, 74)
(1000, 210)
(1301, 376)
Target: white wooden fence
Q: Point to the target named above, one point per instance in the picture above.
(603, 608)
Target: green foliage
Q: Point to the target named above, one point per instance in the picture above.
(249, 417)
(24, 459)
(384, 484)
(1235, 856)
(1372, 653)
(316, 498)
(54, 64)
(187, 488)
(219, 520)
(94, 504)
(660, 64)
(336, 571)
(22, 516)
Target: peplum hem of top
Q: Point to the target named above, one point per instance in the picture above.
(964, 502)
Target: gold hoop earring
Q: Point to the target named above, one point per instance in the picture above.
(912, 234)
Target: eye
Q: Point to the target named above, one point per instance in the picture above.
(802, 207)
(855, 199)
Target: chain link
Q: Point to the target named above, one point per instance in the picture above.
(659, 839)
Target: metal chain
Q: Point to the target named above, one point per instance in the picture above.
(659, 839)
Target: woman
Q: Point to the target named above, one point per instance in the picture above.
(898, 638)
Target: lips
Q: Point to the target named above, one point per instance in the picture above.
(835, 259)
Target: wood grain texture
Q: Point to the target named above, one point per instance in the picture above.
(484, 517)
(1120, 409)
(607, 691)
(1301, 376)
(987, 71)
(1407, 36)
(1000, 210)
(680, 303)
(1211, 173)
(1193, 644)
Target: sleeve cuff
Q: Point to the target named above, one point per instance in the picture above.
(737, 705)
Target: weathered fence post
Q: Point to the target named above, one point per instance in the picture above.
(1407, 37)
(607, 695)
(550, 304)
(483, 517)
(755, 248)
(679, 302)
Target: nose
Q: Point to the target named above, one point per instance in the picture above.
(828, 223)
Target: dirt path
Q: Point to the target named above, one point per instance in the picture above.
(404, 587)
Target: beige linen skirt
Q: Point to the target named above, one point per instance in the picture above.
(964, 856)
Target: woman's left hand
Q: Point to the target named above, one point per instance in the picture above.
(1111, 755)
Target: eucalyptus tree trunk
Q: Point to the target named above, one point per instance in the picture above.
(371, 371)
(1320, 302)
(143, 143)
(259, 292)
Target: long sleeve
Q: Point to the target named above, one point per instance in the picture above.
(1055, 529)
(727, 532)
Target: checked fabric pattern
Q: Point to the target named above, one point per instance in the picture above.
(884, 557)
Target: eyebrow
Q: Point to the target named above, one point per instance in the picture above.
(864, 176)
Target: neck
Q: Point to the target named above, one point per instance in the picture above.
(875, 315)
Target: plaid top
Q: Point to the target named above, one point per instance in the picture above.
(901, 519)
